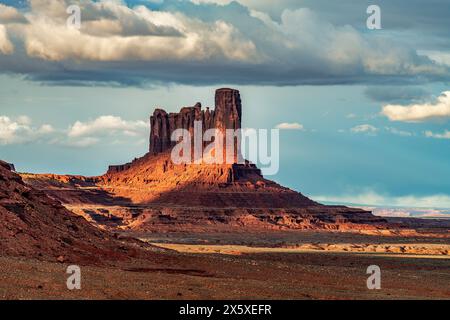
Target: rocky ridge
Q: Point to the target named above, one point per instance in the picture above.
(36, 226)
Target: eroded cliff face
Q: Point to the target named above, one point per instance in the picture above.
(227, 115)
(153, 192)
(156, 179)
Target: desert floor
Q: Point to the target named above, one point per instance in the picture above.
(289, 265)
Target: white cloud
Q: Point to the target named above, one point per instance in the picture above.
(20, 131)
(10, 15)
(104, 129)
(219, 2)
(445, 135)
(438, 109)
(442, 57)
(115, 32)
(6, 46)
(290, 126)
(24, 120)
(105, 125)
(297, 47)
(372, 198)
(342, 48)
(398, 132)
(364, 128)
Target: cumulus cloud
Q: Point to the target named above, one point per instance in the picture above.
(442, 57)
(11, 15)
(24, 120)
(20, 130)
(419, 112)
(104, 129)
(365, 128)
(200, 43)
(106, 125)
(110, 31)
(219, 2)
(290, 126)
(342, 49)
(6, 46)
(445, 135)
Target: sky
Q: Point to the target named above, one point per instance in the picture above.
(364, 114)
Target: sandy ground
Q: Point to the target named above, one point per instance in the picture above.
(390, 250)
(301, 241)
(243, 270)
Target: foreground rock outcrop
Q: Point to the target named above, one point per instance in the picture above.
(34, 225)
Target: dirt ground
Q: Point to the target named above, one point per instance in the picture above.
(271, 267)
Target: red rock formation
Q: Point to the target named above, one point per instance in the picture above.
(8, 166)
(228, 111)
(227, 115)
(35, 225)
(199, 194)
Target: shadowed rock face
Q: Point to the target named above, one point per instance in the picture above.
(36, 225)
(227, 115)
(7, 166)
(228, 111)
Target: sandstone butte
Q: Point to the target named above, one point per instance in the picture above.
(152, 193)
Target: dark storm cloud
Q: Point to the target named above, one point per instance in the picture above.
(420, 15)
(397, 94)
(325, 44)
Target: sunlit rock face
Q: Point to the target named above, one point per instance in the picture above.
(154, 193)
(226, 115)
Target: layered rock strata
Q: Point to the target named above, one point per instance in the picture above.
(152, 192)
